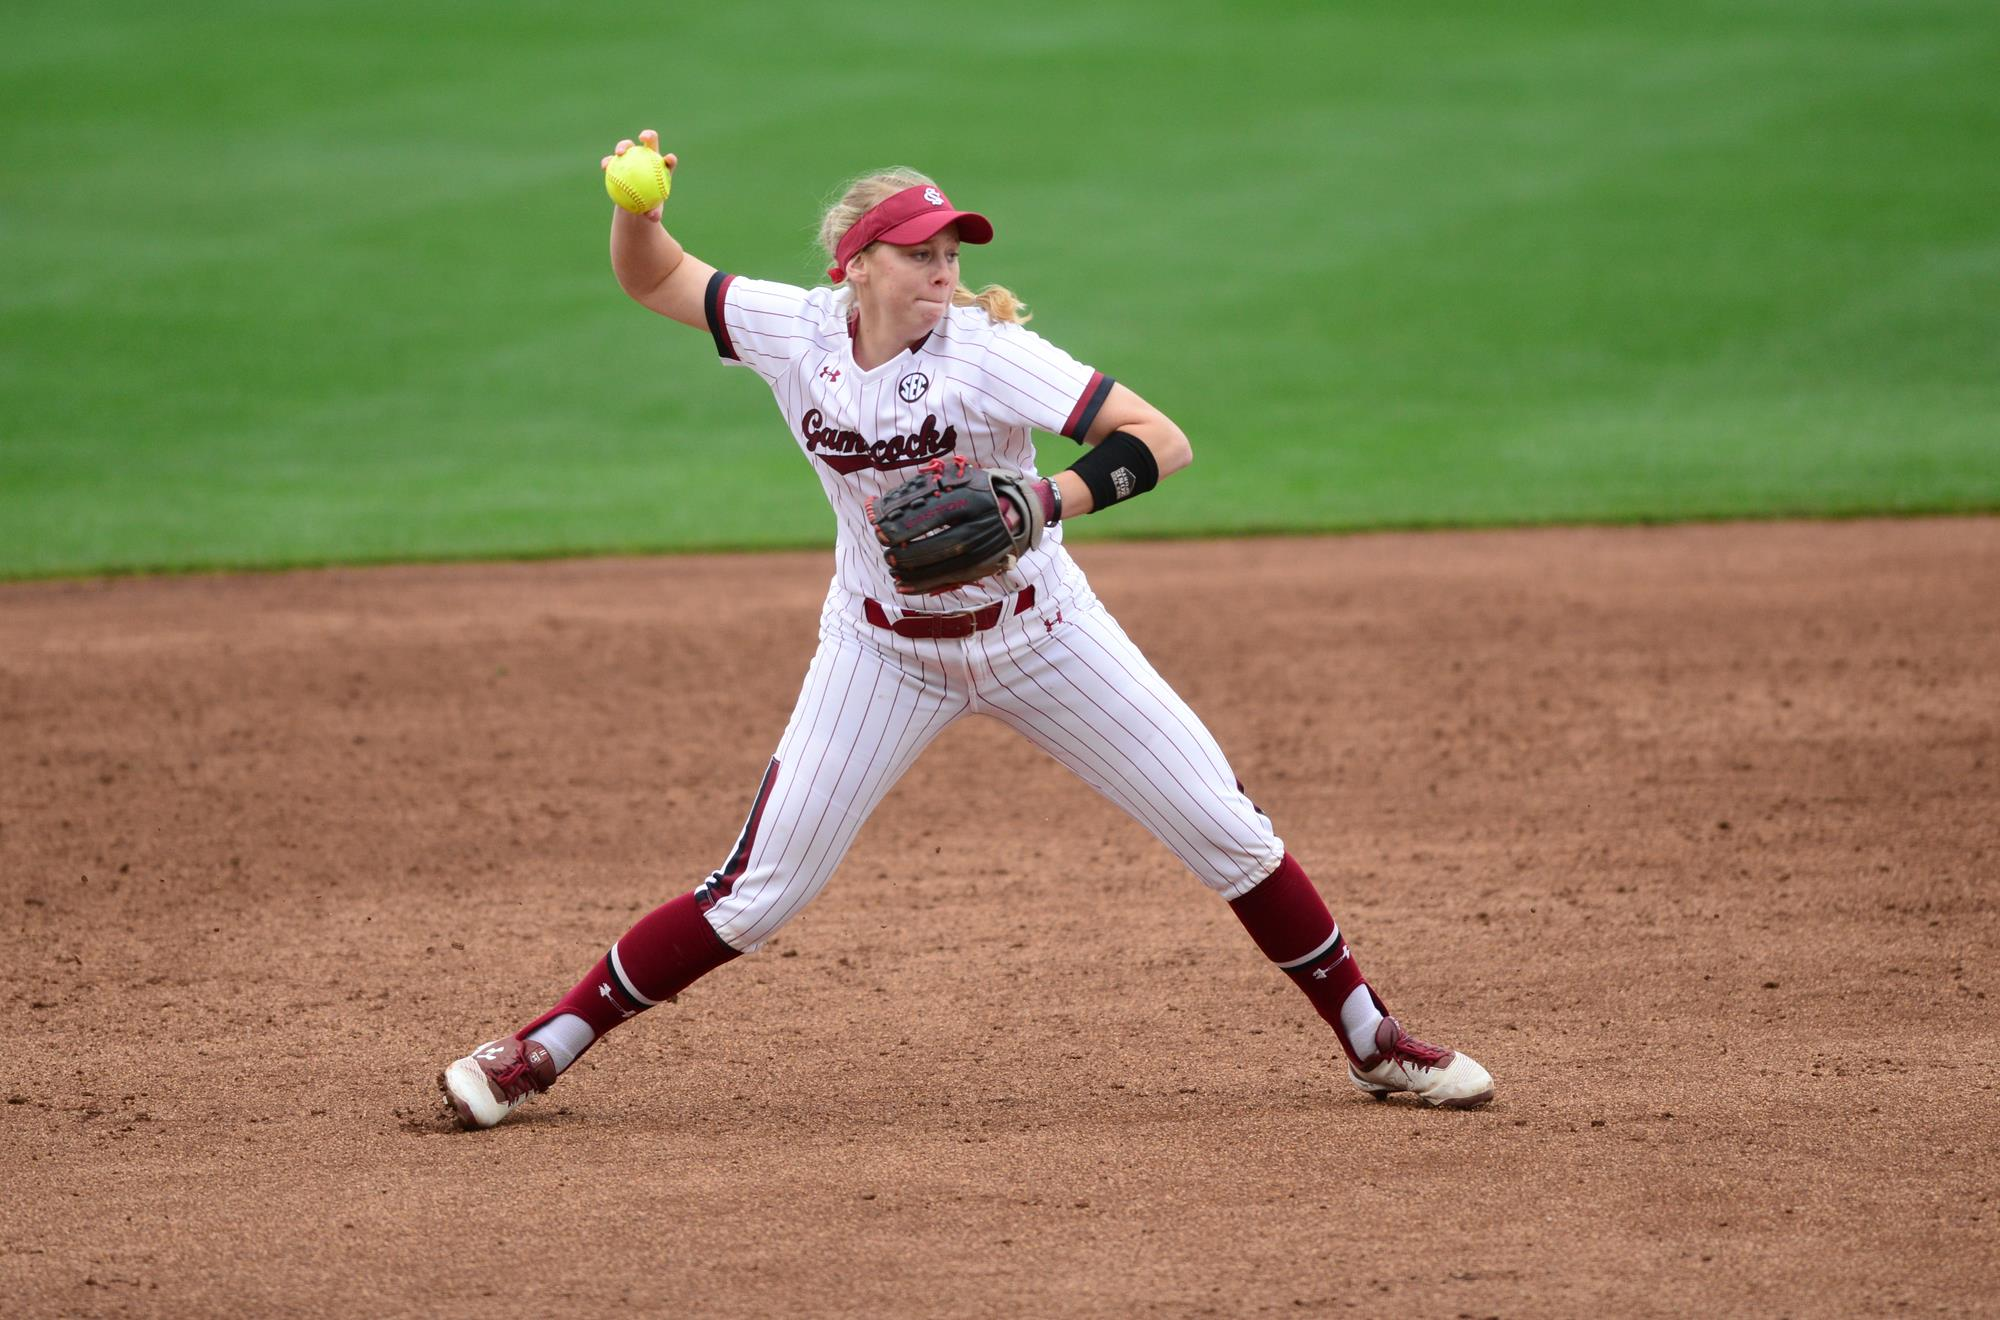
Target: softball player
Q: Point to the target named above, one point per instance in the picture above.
(893, 366)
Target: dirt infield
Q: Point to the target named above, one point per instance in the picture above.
(1688, 834)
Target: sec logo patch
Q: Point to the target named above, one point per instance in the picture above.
(913, 387)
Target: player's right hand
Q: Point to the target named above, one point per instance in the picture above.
(650, 138)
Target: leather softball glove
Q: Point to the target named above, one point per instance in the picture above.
(953, 523)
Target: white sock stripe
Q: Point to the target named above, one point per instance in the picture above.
(1315, 955)
(625, 982)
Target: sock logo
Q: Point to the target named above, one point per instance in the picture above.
(604, 988)
(1320, 973)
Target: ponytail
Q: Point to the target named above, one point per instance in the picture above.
(997, 301)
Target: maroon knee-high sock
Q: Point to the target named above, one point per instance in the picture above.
(1291, 924)
(669, 949)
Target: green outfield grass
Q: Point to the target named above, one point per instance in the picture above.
(300, 282)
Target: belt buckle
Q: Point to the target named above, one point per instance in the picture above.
(959, 623)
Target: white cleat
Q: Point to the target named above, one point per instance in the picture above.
(492, 1082)
(1436, 1076)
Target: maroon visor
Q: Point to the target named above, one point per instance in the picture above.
(910, 216)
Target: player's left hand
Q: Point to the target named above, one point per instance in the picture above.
(953, 524)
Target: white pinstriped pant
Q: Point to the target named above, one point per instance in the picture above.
(1067, 677)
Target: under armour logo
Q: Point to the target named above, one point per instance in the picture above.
(934, 197)
(605, 990)
(830, 373)
(488, 1052)
(1321, 973)
(1050, 624)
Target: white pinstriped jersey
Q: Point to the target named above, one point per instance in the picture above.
(974, 387)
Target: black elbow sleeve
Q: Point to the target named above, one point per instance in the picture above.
(1117, 468)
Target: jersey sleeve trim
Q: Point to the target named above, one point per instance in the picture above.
(711, 306)
(1085, 412)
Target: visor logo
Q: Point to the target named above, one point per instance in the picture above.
(934, 197)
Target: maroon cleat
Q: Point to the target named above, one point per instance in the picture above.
(491, 1082)
(1436, 1076)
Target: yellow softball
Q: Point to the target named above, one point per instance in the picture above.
(638, 180)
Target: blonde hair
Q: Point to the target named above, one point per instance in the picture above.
(871, 189)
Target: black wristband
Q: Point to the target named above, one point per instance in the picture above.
(1117, 468)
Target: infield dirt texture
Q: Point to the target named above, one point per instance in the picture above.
(1688, 834)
